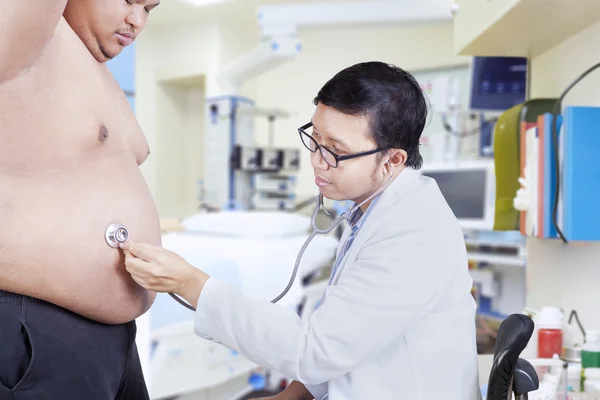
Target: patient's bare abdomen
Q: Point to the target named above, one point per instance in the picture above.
(52, 238)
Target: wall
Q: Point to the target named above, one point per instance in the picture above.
(192, 52)
(175, 71)
(179, 146)
(567, 276)
(326, 51)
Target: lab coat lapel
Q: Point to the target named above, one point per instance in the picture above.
(403, 185)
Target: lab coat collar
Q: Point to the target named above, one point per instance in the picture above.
(382, 213)
(405, 183)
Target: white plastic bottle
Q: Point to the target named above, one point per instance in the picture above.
(574, 378)
(592, 380)
(590, 354)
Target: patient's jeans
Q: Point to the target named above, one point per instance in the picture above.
(49, 353)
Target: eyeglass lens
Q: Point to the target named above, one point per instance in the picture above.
(311, 144)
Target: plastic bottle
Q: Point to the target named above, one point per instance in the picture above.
(590, 354)
(590, 351)
(550, 334)
(574, 378)
(592, 380)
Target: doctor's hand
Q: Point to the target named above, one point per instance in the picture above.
(160, 270)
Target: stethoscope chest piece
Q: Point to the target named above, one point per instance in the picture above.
(116, 234)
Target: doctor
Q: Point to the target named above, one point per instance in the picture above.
(397, 320)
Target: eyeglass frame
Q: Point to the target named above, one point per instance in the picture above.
(338, 158)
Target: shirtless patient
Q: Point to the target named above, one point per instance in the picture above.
(70, 150)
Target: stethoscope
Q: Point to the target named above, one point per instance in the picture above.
(336, 222)
(117, 233)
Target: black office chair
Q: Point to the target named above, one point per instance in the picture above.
(511, 374)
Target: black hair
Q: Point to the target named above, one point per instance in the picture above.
(389, 96)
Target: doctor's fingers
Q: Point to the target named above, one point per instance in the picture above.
(151, 280)
(144, 251)
(138, 267)
(152, 273)
(141, 282)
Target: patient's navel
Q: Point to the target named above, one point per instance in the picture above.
(102, 133)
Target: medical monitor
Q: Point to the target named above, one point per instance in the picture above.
(469, 189)
(497, 83)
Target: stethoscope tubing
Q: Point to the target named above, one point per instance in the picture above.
(315, 232)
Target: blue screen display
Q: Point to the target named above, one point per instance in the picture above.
(498, 83)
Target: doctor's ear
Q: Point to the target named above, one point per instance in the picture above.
(396, 160)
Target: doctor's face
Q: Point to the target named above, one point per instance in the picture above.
(353, 179)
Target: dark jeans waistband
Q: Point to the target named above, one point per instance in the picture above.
(18, 299)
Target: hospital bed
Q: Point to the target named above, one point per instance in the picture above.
(252, 251)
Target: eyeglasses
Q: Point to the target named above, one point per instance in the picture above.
(328, 156)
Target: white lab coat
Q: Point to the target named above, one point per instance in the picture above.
(398, 321)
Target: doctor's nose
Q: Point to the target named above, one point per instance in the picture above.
(318, 162)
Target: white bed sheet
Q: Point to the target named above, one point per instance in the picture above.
(260, 267)
(252, 224)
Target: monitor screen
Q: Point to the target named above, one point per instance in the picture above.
(498, 83)
(463, 190)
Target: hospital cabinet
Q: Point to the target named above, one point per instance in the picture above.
(523, 28)
(254, 158)
(274, 192)
(185, 364)
(232, 181)
(275, 182)
(268, 174)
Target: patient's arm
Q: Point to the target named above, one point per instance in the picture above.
(26, 26)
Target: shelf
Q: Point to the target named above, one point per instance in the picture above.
(499, 248)
(509, 244)
(492, 315)
(519, 28)
(497, 259)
